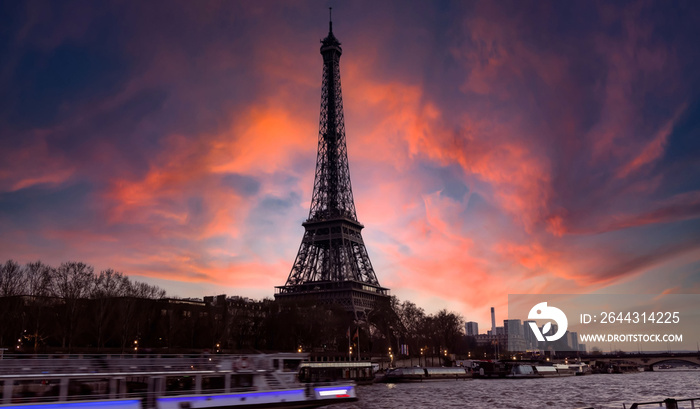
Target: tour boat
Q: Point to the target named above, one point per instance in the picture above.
(164, 383)
(362, 373)
(420, 374)
(519, 369)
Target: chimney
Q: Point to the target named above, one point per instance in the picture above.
(493, 321)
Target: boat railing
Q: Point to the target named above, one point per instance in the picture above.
(669, 403)
(69, 365)
(122, 364)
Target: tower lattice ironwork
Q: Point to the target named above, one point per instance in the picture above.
(332, 265)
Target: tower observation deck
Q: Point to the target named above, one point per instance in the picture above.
(332, 265)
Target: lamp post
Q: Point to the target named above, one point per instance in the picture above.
(421, 357)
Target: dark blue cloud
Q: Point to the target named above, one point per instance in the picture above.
(242, 184)
(681, 156)
(57, 60)
(450, 180)
(38, 207)
(50, 85)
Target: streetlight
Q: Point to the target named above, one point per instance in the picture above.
(421, 356)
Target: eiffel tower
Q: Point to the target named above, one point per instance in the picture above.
(332, 265)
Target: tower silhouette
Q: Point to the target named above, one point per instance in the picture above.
(332, 265)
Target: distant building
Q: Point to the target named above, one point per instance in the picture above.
(573, 340)
(493, 320)
(553, 330)
(498, 343)
(514, 333)
(513, 327)
(472, 328)
(530, 338)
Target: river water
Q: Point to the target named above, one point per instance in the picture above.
(598, 391)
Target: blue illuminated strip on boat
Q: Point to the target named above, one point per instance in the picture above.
(94, 403)
(228, 396)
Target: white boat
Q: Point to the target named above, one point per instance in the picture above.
(164, 383)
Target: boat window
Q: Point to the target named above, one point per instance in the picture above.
(547, 369)
(179, 383)
(291, 365)
(136, 385)
(523, 370)
(213, 383)
(241, 382)
(33, 390)
(446, 371)
(26, 391)
(87, 388)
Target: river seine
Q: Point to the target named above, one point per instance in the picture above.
(597, 391)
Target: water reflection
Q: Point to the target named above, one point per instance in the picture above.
(598, 391)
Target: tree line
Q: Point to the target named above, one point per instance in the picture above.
(72, 308)
(43, 306)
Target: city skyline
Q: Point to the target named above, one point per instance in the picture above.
(493, 149)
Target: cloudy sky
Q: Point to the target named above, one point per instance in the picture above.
(494, 147)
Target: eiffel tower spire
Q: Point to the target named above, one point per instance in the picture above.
(332, 195)
(332, 265)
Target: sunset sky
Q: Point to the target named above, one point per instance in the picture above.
(494, 147)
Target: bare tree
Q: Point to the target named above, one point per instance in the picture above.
(72, 283)
(411, 317)
(109, 285)
(38, 279)
(131, 316)
(38, 285)
(11, 311)
(442, 332)
(143, 290)
(11, 279)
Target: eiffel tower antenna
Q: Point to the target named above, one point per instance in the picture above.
(332, 265)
